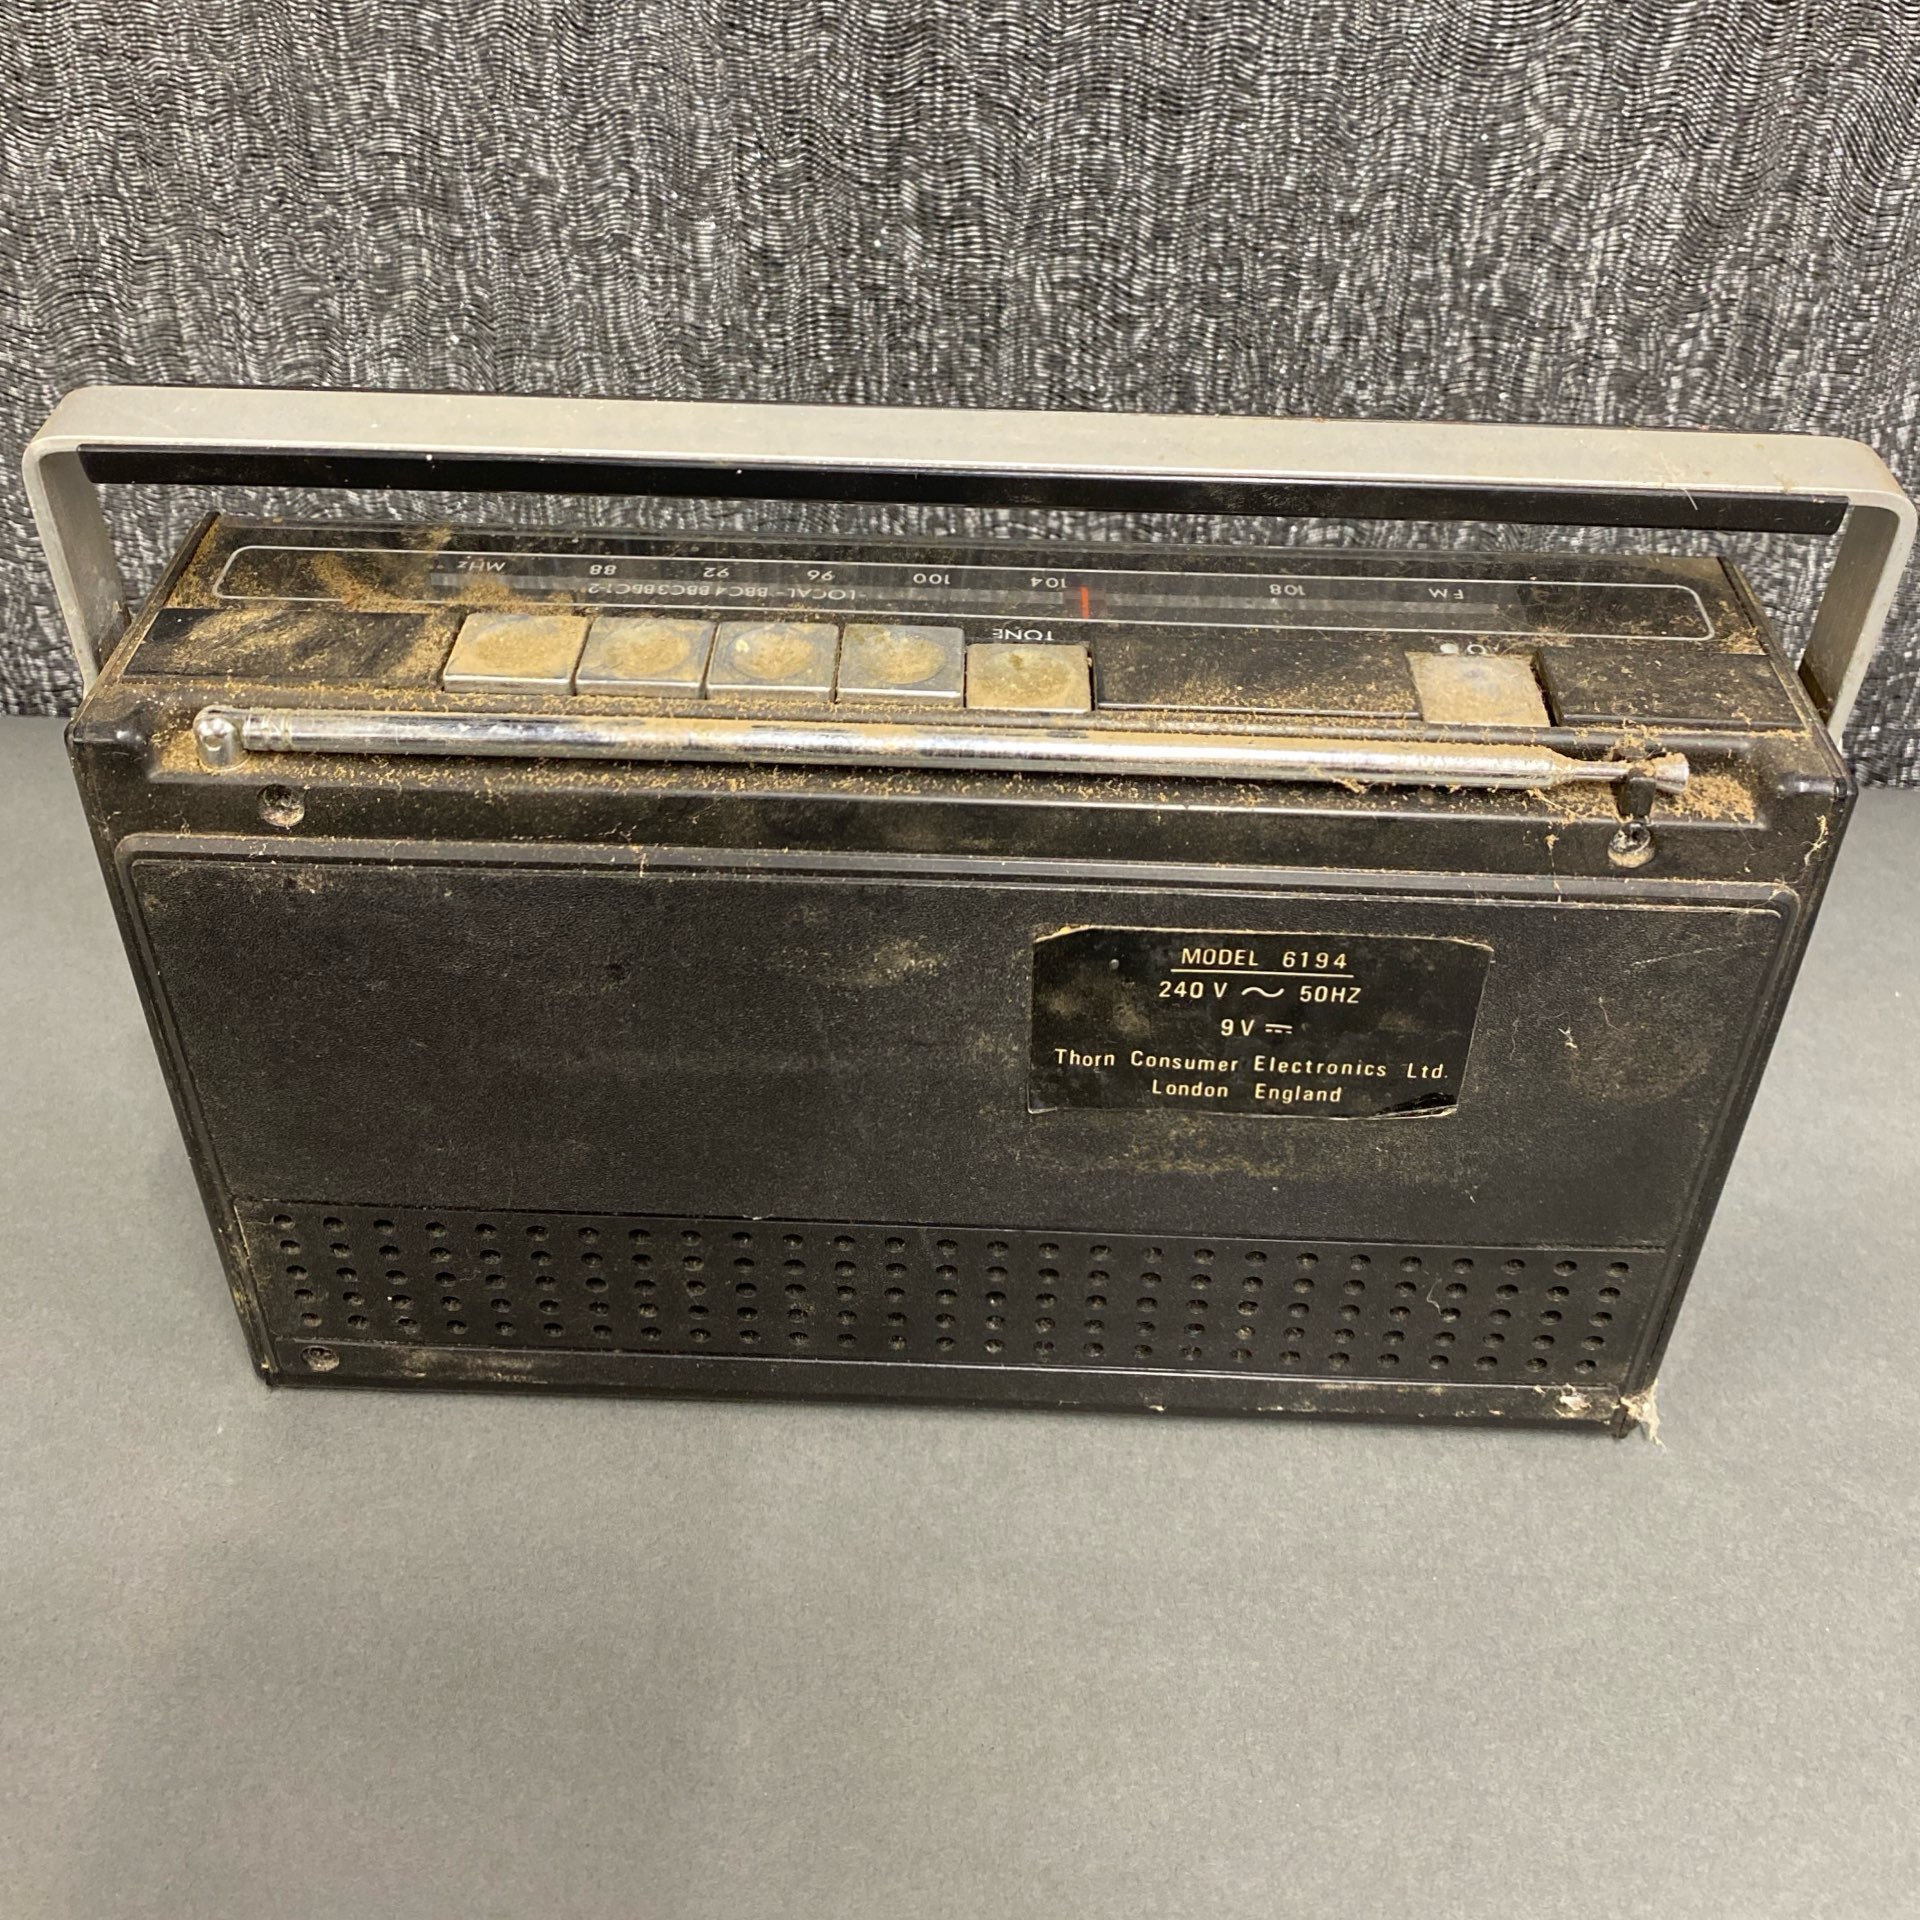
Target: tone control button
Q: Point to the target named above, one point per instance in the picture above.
(788, 657)
(903, 663)
(515, 653)
(644, 653)
(1018, 679)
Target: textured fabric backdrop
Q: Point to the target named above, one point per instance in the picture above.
(1697, 212)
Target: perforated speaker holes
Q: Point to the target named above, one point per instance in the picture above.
(345, 1274)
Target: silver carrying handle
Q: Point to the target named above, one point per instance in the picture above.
(1355, 469)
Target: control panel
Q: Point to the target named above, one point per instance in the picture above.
(1221, 640)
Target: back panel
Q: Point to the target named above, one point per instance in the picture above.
(787, 1111)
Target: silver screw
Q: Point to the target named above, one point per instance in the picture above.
(1631, 845)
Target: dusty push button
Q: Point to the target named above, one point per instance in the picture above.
(902, 663)
(774, 656)
(642, 653)
(1478, 690)
(1017, 679)
(515, 652)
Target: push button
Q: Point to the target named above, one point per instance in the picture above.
(515, 653)
(1017, 679)
(902, 663)
(787, 657)
(1477, 690)
(643, 653)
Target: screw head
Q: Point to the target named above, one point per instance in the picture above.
(1631, 845)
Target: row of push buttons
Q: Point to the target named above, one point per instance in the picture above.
(623, 653)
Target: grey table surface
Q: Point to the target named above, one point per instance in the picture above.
(306, 1654)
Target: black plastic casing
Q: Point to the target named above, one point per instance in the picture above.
(717, 1079)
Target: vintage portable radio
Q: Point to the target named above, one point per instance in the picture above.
(1229, 980)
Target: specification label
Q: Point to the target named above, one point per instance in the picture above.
(1274, 1024)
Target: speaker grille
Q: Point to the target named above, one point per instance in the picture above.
(806, 1290)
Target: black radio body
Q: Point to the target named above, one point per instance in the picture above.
(609, 962)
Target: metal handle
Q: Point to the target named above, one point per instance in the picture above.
(1355, 469)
